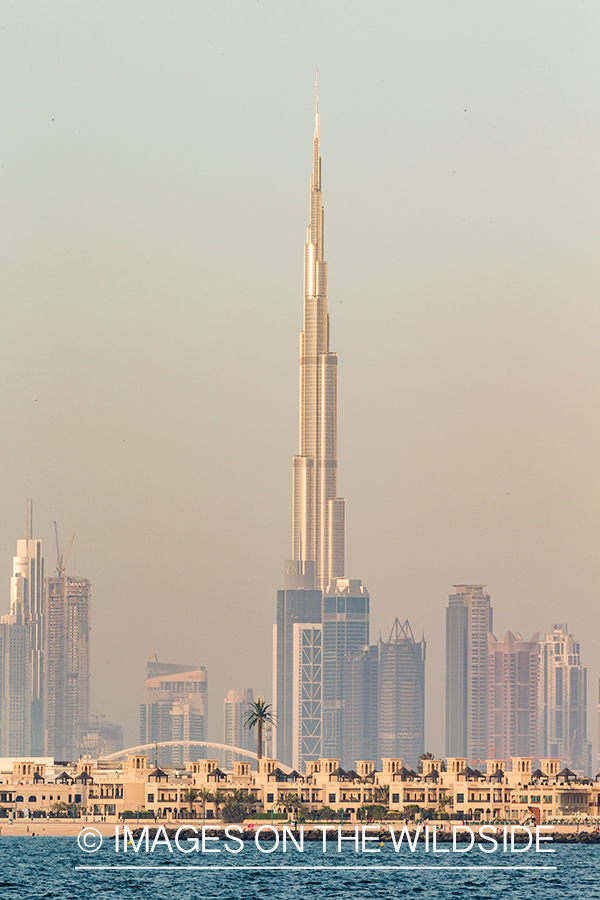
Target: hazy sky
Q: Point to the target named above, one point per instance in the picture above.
(155, 162)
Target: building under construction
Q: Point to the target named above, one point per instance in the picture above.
(67, 664)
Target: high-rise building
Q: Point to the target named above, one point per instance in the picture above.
(345, 632)
(67, 673)
(318, 533)
(361, 707)
(401, 727)
(513, 692)
(100, 739)
(307, 706)
(175, 708)
(562, 702)
(297, 604)
(15, 686)
(27, 591)
(469, 619)
(318, 514)
(236, 707)
(22, 663)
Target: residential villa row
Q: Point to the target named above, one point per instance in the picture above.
(112, 790)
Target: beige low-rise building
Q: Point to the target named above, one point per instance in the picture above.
(505, 791)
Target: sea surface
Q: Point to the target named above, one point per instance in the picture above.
(51, 867)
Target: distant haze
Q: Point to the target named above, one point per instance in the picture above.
(155, 167)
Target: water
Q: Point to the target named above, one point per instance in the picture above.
(45, 867)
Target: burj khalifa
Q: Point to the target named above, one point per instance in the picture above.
(318, 514)
(314, 577)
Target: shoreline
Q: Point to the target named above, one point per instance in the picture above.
(68, 828)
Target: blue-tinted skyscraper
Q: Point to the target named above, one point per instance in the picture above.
(345, 632)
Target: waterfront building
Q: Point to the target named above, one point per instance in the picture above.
(469, 619)
(236, 707)
(507, 790)
(513, 694)
(67, 654)
(174, 708)
(562, 701)
(401, 726)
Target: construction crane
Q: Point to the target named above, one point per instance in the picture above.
(60, 566)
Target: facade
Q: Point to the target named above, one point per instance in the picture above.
(562, 704)
(67, 681)
(99, 739)
(346, 608)
(132, 790)
(307, 707)
(469, 618)
(174, 708)
(318, 514)
(513, 695)
(15, 686)
(297, 604)
(236, 707)
(23, 672)
(401, 727)
(361, 707)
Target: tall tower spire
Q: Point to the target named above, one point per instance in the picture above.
(317, 106)
(318, 514)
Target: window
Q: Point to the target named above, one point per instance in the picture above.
(150, 798)
(460, 798)
(535, 798)
(395, 798)
(270, 798)
(332, 798)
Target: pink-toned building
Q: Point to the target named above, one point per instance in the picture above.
(513, 695)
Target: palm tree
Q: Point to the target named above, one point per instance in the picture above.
(205, 797)
(288, 801)
(189, 796)
(218, 799)
(259, 715)
(381, 794)
(237, 805)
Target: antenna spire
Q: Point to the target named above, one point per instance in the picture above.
(317, 106)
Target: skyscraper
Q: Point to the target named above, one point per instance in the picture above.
(15, 686)
(469, 619)
(174, 708)
(67, 681)
(401, 724)
(22, 662)
(318, 514)
(297, 604)
(307, 694)
(361, 707)
(345, 632)
(562, 701)
(513, 693)
(318, 529)
(236, 707)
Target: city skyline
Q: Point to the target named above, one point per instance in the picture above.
(462, 230)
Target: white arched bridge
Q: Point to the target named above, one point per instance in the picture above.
(158, 744)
